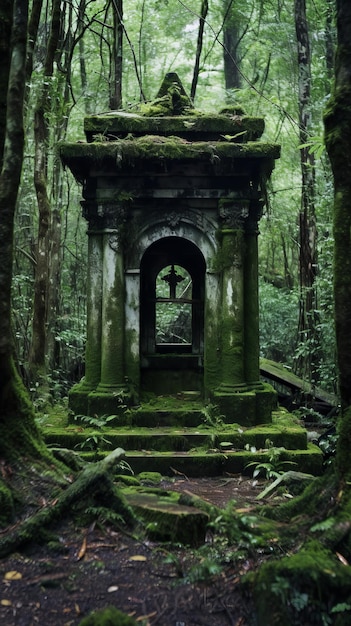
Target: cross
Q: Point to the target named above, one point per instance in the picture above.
(172, 279)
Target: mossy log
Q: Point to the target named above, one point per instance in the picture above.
(94, 480)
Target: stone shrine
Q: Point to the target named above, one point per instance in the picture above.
(172, 198)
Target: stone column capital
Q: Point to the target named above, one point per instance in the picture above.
(232, 215)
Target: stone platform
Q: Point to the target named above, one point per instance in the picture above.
(172, 436)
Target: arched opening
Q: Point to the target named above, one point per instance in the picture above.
(174, 309)
(172, 290)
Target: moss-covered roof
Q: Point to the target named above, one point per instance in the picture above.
(229, 128)
(146, 148)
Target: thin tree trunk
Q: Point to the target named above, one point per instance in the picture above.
(329, 41)
(307, 220)
(232, 76)
(37, 356)
(33, 26)
(117, 56)
(82, 64)
(5, 38)
(200, 37)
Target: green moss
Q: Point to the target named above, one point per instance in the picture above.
(344, 445)
(316, 497)
(167, 518)
(128, 152)
(150, 477)
(108, 617)
(126, 479)
(230, 249)
(7, 509)
(302, 588)
(20, 435)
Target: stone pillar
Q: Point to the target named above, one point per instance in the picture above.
(132, 329)
(232, 322)
(79, 394)
(252, 338)
(94, 311)
(112, 331)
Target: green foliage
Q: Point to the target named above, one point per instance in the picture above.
(105, 515)
(212, 416)
(203, 570)
(268, 77)
(272, 468)
(278, 322)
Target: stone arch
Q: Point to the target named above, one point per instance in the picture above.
(179, 365)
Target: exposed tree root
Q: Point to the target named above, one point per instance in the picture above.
(94, 480)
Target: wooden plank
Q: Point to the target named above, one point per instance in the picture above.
(278, 373)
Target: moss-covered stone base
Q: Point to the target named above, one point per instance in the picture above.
(166, 518)
(187, 436)
(83, 400)
(310, 587)
(248, 406)
(78, 398)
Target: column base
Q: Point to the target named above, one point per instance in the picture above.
(85, 399)
(246, 405)
(109, 399)
(78, 397)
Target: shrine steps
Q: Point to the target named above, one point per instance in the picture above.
(187, 439)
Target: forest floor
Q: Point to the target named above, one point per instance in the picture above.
(156, 583)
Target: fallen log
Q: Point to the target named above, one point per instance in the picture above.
(94, 480)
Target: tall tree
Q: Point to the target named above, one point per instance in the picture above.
(18, 433)
(337, 137)
(307, 217)
(231, 41)
(116, 56)
(200, 38)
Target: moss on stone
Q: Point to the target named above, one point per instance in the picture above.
(302, 588)
(108, 617)
(150, 477)
(127, 152)
(166, 518)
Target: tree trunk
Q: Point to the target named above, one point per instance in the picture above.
(231, 39)
(200, 37)
(337, 137)
(117, 56)
(329, 42)
(33, 27)
(37, 356)
(18, 433)
(5, 38)
(307, 219)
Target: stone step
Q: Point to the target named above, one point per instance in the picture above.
(155, 418)
(179, 439)
(189, 440)
(214, 463)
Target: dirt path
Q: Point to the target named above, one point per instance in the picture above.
(157, 584)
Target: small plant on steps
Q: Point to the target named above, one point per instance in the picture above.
(274, 466)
